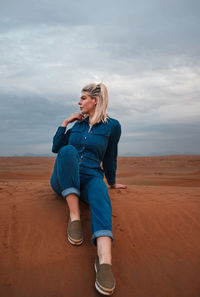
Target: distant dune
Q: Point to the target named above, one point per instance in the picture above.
(156, 224)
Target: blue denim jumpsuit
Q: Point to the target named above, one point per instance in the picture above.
(84, 156)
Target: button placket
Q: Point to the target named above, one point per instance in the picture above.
(81, 157)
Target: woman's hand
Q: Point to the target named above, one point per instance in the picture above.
(118, 186)
(72, 118)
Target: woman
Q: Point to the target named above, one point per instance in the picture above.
(86, 152)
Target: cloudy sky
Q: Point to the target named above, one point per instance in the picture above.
(147, 52)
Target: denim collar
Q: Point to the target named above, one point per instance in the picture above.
(86, 120)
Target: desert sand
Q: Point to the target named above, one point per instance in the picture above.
(156, 225)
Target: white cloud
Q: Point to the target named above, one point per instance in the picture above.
(151, 67)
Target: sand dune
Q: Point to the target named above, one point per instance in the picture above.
(156, 224)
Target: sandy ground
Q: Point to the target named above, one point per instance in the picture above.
(156, 224)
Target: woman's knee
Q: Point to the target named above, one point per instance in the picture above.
(68, 150)
(68, 160)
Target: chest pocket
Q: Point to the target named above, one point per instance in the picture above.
(76, 136)
(100, 139)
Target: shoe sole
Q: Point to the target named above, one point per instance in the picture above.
(100, 290)
(74, 242)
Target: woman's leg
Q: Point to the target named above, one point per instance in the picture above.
(73, 204)
(65, 179)
(95, 192)
(101, 225)
(104, 249)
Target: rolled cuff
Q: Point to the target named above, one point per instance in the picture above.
(69, 191)
(61, 129)
(100, 233)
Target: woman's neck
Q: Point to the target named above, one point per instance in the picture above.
(91, 114)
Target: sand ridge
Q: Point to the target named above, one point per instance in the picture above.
(155, 223)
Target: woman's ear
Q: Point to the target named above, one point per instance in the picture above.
(95, 100)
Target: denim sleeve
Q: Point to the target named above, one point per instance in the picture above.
(60, 139)
(110, 157)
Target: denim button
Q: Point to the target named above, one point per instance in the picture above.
(85, 137)
(83, 147)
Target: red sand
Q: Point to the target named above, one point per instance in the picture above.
(156, 224)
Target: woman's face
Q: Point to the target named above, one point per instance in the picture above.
(87, 104)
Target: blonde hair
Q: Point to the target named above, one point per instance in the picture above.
(100, 92)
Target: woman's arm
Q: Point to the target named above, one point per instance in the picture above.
(110, 158)
(61, 138)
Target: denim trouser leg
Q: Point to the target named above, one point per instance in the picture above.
(95, 192)
(65, 179)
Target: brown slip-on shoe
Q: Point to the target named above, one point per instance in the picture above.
(75, 232)
(105, 282)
